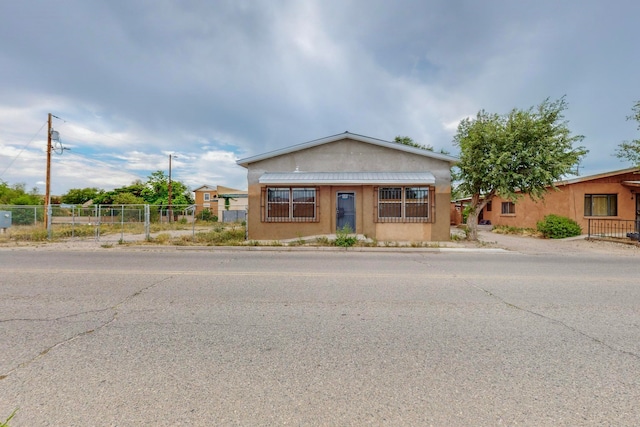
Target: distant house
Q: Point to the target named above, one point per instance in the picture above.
(381, 189)
(609, 195)
(206, 197)
(218, 200)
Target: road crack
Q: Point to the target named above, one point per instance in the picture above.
(114, 308)
(553, 320)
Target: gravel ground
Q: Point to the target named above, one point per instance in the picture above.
(487, 240)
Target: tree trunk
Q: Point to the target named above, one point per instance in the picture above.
(477, 204)
(472, 224)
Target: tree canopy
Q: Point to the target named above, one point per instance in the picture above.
(630, 150)
(405, 140)
(16, 194)
(522, 152)
(78, 196)
(154, 191)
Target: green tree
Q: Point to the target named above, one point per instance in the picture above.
(630, 150)
(16, 194)
(154, 191)
(78, 196)
(108, 198)
(520, 153)
(405, 140)
(126, 198)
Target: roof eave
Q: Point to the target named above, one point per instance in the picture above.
(346, 135)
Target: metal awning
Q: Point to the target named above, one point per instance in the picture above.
(631, 183)
(347, 178)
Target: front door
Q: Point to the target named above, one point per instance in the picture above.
(346, 210)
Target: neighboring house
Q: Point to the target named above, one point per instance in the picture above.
(610, 195)
(383, 190)
(219, 199)
(232, 204)
(206, 197)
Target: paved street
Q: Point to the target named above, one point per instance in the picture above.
(121, 337)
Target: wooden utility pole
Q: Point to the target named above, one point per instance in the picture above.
(170, 209)
(47, 195)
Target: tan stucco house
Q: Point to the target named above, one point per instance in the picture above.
(609, 195)
(219, 199)
(383, 190)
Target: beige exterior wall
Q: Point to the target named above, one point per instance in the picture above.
(349, 155)
(201, 204)
(217, 205)
(568, 201)
(365, 200)
(235, 204)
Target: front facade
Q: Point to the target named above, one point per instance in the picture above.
(611, 195)
(219, 199)
(383, 190)
(206, 197)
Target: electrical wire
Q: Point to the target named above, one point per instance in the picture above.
(22, 150)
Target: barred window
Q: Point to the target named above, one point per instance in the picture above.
(416, 202)
(600, 205)
(390, 202)
(403, 204)
(291, 204)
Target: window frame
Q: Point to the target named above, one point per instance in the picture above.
(510, 208)
(291, 203)
(395, 204)
(611, 204)
(206, 197)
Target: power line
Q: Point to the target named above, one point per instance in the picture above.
(22, 150)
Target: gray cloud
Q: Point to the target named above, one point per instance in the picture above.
(226, 79)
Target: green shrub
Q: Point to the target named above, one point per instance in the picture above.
(207, 215)
(343, 237)
(558, 227)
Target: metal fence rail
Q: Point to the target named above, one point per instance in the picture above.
(102, 222)
(614, 229)
(115, 222)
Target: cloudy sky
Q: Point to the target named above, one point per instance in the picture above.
(212, 81)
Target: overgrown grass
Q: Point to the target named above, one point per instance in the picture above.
(518, 231)
(344, 237)
(219, 234)
(5, 423)
(232, 236)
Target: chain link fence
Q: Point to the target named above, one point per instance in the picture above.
(120, 223)
(117, 223)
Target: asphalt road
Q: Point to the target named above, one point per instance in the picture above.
(116, 337)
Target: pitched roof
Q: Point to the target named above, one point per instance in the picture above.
(355, 178)
(597, 176)
(207, 188)
(346, 135)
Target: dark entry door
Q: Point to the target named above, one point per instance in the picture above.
(346, 210)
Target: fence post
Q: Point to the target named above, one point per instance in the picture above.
(122, 224)
(147, 221)
(49, 231)
(98, 215)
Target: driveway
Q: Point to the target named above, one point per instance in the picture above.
(569, 246)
